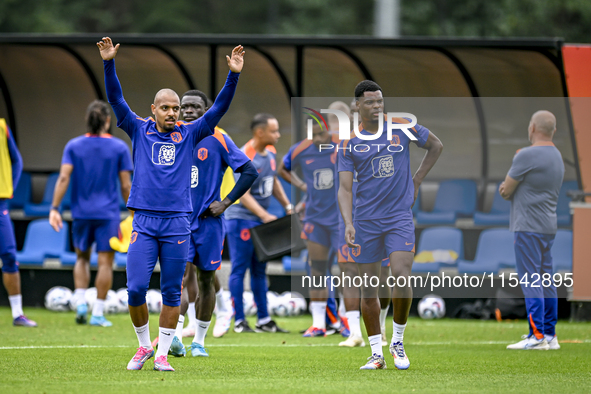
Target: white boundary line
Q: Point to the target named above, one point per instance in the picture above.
(449, 343)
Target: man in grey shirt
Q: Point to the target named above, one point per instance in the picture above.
(533, 184)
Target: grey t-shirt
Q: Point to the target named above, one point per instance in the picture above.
(539, 170)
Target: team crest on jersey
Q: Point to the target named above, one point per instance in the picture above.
(383, 166)
(163, 153)
(194, 177)
(202, 154)
(323, 179)
(356, 251)
(176, 137)
(245, 234)
(133, 237)
(266, 186)
(395, 140)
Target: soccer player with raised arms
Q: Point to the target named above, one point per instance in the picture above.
(383, 218)
(161, 197)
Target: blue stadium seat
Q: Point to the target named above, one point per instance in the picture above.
(292, 263)
(499, 212)
(121, 259)
(495, 250)
(42, 209)
(562, 251)
(22, 193)
(434, 238)
(41, 242)
(455, 198)
(562, 209)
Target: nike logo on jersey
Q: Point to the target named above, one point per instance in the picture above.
(215, 262)
(150, 132)
(309, 161)
(408, 243)
(180, 242)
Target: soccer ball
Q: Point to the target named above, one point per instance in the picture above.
(300, 305)
(58, 299)
(272, 301)
(250, 308)
(123, 297)
(111, 302)
(431, 307)
(285, 305)
(90, 296)
(154, 301)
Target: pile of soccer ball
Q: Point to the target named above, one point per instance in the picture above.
(61, 299)
(285, 304)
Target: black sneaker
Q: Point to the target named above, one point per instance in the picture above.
(270, 326)
(242, 327)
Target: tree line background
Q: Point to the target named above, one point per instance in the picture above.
(570, 19)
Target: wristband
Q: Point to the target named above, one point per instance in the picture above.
(288, 207)
(55, 208)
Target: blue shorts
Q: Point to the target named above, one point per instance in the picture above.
(207, 243)
(153, 239)
(87, 231)
(7, 241)
(321, 234)
(344, 251)
(383, 235)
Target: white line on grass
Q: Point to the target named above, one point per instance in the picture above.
(449, 343)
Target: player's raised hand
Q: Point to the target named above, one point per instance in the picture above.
(237, 60)
(55, 220)
(106, 48)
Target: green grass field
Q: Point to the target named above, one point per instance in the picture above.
(446, 356)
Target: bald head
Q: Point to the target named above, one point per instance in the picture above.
(544, 122)
(166, 95)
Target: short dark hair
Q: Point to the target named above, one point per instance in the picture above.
(260, 119)
(198, 93)
(96, 116)
(366, 86)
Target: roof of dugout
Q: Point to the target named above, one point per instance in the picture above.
(46, 82)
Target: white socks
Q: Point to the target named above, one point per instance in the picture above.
(143, 336)
(16, 304)
(263, 321)
(99, 306)
(200, 331)
(79, 296)
(383, 315)
(164, 341)
(179, 327)
(318, 310)
(375, 341)
(354, 323)
(220, 303)
(191, 315)
(398, 334)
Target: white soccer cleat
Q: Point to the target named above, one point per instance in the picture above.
(189, 331)
(375, 362)
(222, 325)
(353, 342)
(553, 343)
(530, 343)
(400, 359)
